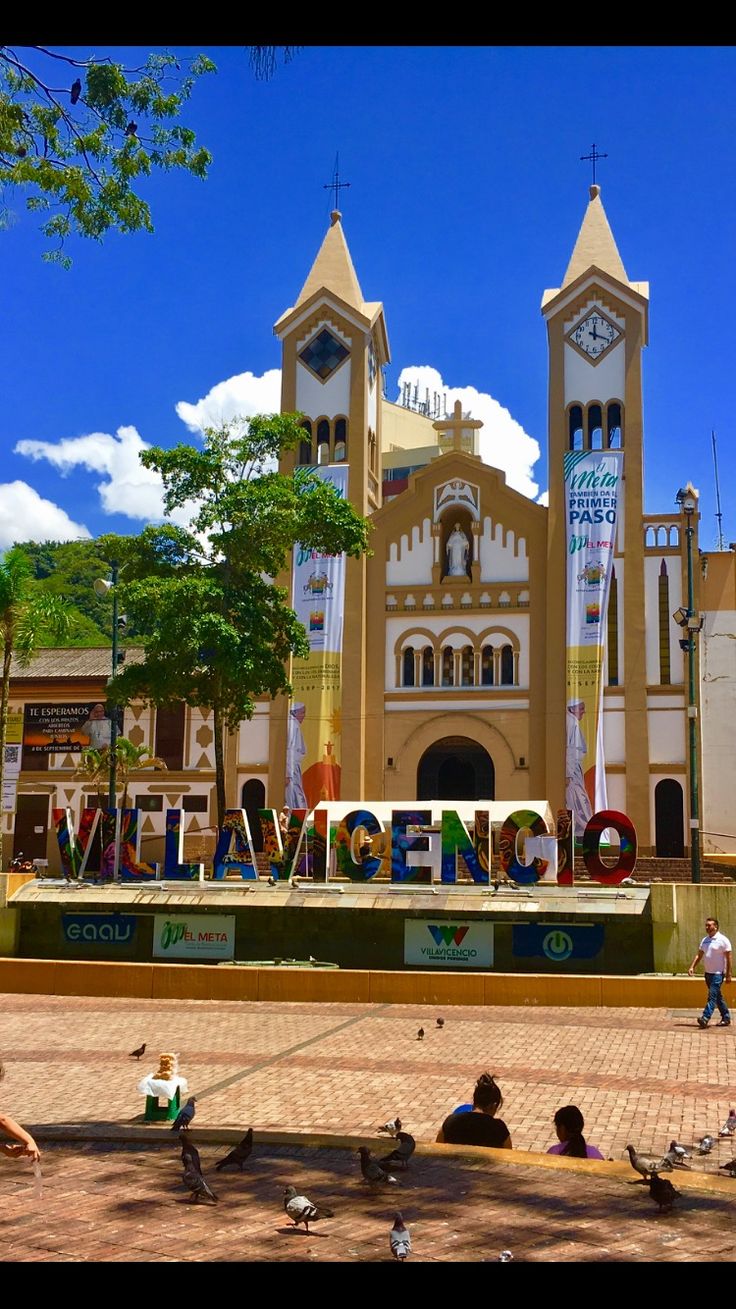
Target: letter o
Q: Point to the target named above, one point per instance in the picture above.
(591, 847)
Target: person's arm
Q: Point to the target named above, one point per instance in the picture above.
(29, 1148)
(696, 961)
(440, 1137)
(727, 956)
(506, 1145)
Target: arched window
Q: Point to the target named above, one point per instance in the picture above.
(486, 666)
(575, 441)
(408, 666)
(305, 445)
(372, 450)
(448, 666)
(614, 427)
(467, 670)
(341, 440)
(427, 666)
(664, 625)
(595, 428)
(507, 666)
(323, 441)
(613, 631)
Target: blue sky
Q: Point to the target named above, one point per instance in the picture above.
(466, 197)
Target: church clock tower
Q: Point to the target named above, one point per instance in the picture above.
(334, 346)
(597, 329)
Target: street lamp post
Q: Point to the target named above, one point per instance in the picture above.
(693, 623)
(102, 588)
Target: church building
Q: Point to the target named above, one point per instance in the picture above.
(454, 641)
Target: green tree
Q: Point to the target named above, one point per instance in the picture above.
(26, 617)
(94, 765)
(217, 630)
(80, 134)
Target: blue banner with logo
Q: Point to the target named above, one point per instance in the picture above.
(557, 942)
(99, 929)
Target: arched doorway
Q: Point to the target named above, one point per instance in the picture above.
(456, 768)
(253, 798)
(669, 824)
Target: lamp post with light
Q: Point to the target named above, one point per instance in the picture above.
(692, 622)
(103, 588)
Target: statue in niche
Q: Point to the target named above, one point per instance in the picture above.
(458, 548)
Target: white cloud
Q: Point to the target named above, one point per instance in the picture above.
(241, 396)
(27, 516)
(126, 488)
(503, 443)
(543, 499)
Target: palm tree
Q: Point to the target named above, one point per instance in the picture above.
(95, 764)
(27, 618)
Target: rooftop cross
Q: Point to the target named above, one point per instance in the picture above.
(456, 426)
(593, 158)
(336, 185)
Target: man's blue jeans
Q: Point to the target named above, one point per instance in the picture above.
(714, 981)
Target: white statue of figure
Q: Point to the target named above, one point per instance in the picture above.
(458, 547)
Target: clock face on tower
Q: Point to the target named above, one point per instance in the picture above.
(594, 335)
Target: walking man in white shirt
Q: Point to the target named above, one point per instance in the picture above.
(715, 951)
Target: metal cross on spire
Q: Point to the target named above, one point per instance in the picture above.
(593, 158)
(336, 185)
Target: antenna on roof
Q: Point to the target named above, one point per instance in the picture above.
(719, 516)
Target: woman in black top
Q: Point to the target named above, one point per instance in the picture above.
(480, 1127)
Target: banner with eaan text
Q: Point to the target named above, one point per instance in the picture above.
(593, 503)
(314, 726)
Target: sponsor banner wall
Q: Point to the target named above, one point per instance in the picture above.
(448, 944)
(314, 750)
(593, 502)
(99, 929)
(557, 942)
(193, 936)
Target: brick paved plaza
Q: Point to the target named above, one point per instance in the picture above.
(639, 1075)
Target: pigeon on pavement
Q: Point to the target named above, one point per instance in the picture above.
(662, 1192)
(137, 1054)
(420, 1034)
(730, 1167)
(729, 1127)
(400, 1239)
(505, 1257)
(646, 1164)
(240, 1154)
(184, 1117)
(189, 1153)
(677, 1154)
(440, 1022)
(392, 1126)
(705, 1145)
(198, 1187)
(401, 1154)
(301, 1210)
(372, 1170)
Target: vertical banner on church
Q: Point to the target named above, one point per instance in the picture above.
(593, 500)
(313, 750)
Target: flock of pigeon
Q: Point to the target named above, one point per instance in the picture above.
(379, 1172)
(650, 1167)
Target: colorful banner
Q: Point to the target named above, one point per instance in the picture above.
(593, 501)
(313, 750)
(67, 728)
(194, 936)
(448, 944)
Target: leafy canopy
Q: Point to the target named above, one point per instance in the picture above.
(80, 134)
(217, 630)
